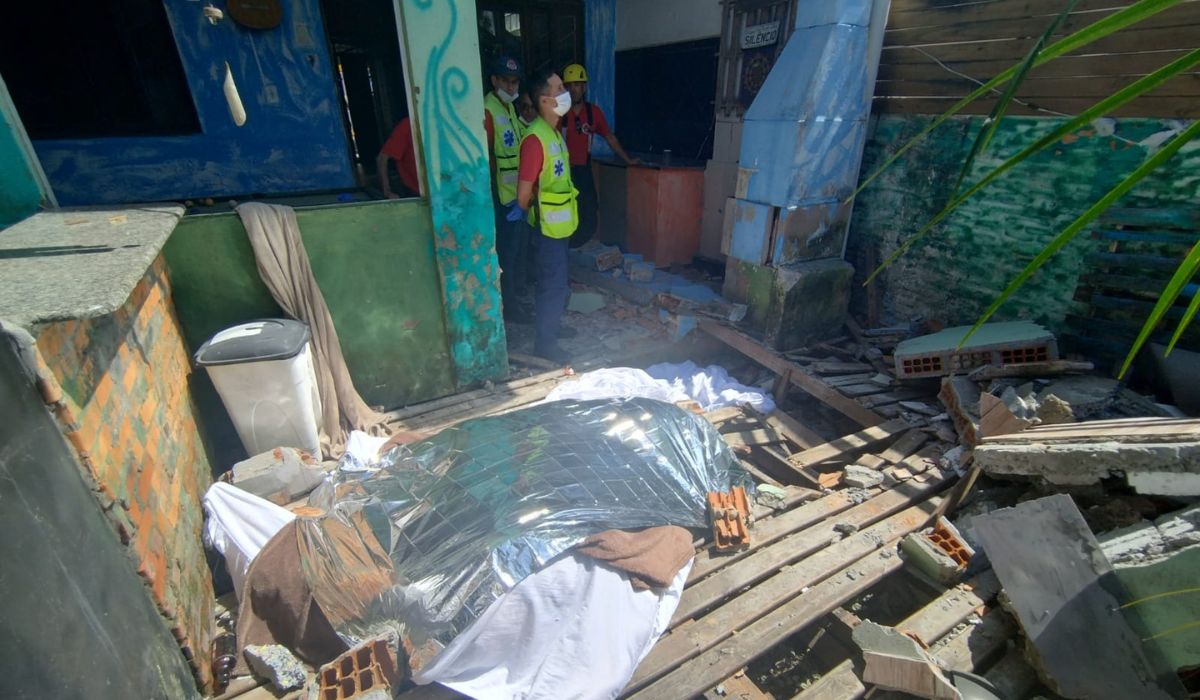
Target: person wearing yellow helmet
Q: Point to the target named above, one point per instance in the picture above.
(584, 121)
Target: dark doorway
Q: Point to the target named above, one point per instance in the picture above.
(543, 35)
(365, 45)
(665, 98)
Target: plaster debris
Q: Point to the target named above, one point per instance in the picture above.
(276, 664)
(858, 476)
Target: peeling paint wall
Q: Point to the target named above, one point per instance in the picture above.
(442, 51)
(292, 141)
(980, 248)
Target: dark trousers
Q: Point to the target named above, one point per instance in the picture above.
(553, 291)
(589, 204)
(512, 248)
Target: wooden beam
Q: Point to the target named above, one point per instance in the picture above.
(854, 442)
(714, 629)
(772, 361)
(908, 443)
(793, 430)
(713, 664)
(771, 529)
(765, 561)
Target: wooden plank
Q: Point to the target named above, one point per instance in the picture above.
(1014, 48)
(891, 397)
(1031, 369)
(759, 475)
(1135, 64)
(1027, 26)
(937, 619)
(793, 430)
(1084, 648)
(922, 13)
(854, 442)
(866, 389)
(908, 443)
(772, 361)
(1183, 85)
(1136, 236)
(741, 687)
(752, 641)
(1157, 107)
(1127, 430)
(834, 367)
(1125, 260)
(702, 634)
(848, 379)
(772, 460)
(977, 644)
(748, 438)
(401, 414)
(1179, 217)
(770, 530)
(765, 561)
(723, 415)
(792, 497)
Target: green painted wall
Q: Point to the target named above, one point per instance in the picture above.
(442, 58)
(376, 267)
(981, 247)
(20, 192)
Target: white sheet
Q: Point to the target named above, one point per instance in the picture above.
(575, 629)
(711, 386)
(238, 525)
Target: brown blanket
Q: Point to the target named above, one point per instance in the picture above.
(283, 265)
(651, 557)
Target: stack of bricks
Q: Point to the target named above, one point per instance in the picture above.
(367, 672)
(118, 385)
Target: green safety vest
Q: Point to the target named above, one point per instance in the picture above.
(558, 210)
(507, 146)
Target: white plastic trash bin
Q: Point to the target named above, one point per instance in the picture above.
(263, 371)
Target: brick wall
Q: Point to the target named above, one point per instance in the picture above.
(128, 412)
(975, 253)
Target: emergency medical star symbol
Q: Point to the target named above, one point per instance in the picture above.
(509, 139)
(558, 168)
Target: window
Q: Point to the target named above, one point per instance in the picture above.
(95, 69)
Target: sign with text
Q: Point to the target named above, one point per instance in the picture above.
(760, 35)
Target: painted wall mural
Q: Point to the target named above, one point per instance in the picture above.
(292, 141)
(443, 54)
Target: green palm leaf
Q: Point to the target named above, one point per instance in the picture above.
(1108, 104)
(1184, 273)
(1101, 28)
(992, 123)
(1069, 233)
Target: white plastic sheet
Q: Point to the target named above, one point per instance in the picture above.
(711, 386)
(575, 629)
(238, 525)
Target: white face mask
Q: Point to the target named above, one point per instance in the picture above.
(506, 97)
(562, 103)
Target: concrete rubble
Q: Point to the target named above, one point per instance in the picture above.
(276, 664)
(895, 661)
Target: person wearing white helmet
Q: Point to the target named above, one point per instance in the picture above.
(584, 121)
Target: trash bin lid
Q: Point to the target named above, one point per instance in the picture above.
(256, 341)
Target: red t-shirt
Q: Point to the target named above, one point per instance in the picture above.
(399, 147)
(578, 131)
(531, 160)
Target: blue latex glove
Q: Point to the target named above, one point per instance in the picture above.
(515, 212)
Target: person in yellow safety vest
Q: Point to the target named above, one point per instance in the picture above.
(504, 143)
(585, 121)
(544, 178)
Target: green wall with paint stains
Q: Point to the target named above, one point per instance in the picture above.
(441, 45)
(376, 267)
(980, 248)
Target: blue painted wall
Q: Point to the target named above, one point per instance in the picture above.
(292, 141)
(600, 37)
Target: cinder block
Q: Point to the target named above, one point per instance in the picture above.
(366, 672)
(939, 354)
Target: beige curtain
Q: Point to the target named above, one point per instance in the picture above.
(283, 266)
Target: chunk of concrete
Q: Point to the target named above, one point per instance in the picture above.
(895, 661)
(586, 302)
(280, 475)
(1067, 600)
(1054, 411)
(276, 664)
(641, 272)
(961, 398)
(1165, 469)
(1147, 541)
(860, 477)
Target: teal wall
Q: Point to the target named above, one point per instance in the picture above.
(375, 265)
(979, 249)
(441, 45)
(20, 194)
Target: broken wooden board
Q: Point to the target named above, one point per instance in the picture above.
(1124, 430)
(1030, 369)
(997, 419)
(793, 430)
(834, 367)
(894, 396)
(772, 361)
(854, 442)
(750, 438)
(863, 389)
(1085, 646)
(908, 443)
